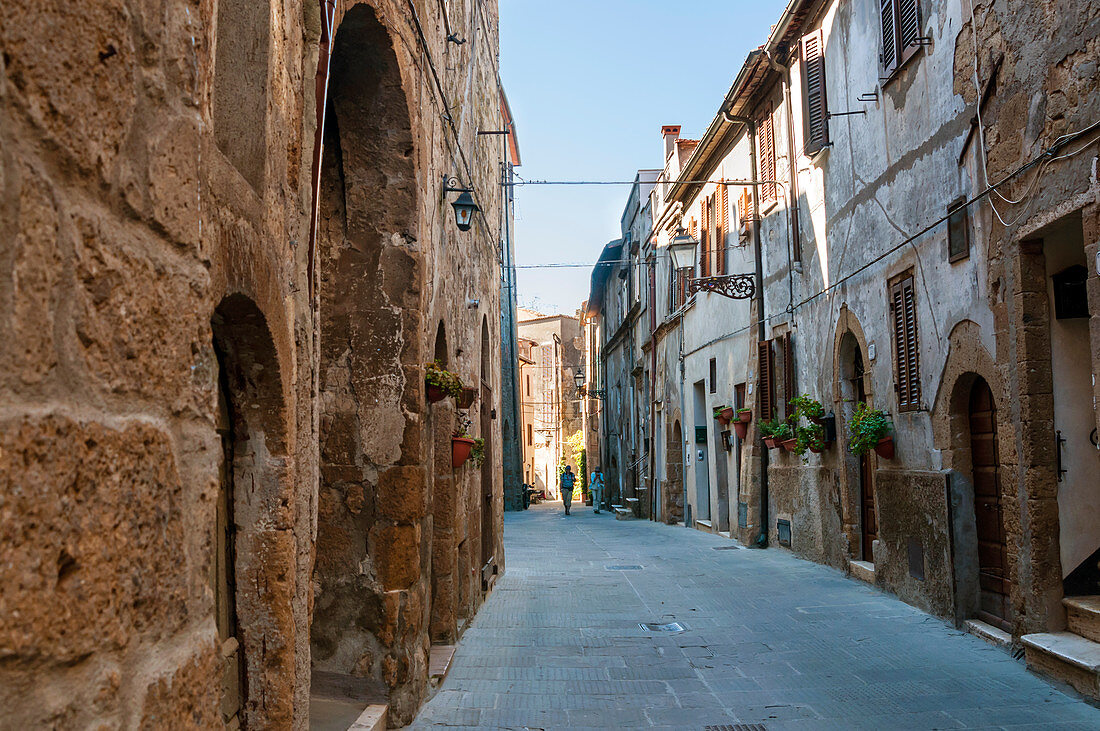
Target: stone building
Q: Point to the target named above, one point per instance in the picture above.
(550, 403)
(922, 207)
(229, 253)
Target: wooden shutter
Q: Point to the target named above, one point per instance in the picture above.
(766, 144)
(908, 19)
(704, 240)
(722, 228)
(815, 108)
(888, 16)
(788, 372)
(906, 356)
(764, 379)
(693, 228)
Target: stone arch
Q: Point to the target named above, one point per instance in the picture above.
(440, 354)
(967, 364)
(258, 545)
(850, 354)
(370, 590)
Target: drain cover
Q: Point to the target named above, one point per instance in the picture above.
(726, 548)
(624, 567)
(739, 727)
(670, 627)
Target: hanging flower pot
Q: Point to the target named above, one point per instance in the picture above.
(744, 415)
(771, 442)
(885, 448)
(466, 400)
(725, 415)
(435, 393)
(741, 428)
(817, 450)
(789, 444)
(460, 450)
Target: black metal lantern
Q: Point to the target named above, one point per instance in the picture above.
(578, 378)
(465, 208)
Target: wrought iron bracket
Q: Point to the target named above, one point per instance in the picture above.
(596, 393)
(734, 286)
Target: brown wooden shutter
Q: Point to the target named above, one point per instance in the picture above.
(693, 228)
(815, 110)
(723, 228)
(888, 16)
(906, 355)
(764, 379)
(766, 137)
(908, 19)
(788, 372)
(704, 240)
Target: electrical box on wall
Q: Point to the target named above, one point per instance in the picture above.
(700, 435)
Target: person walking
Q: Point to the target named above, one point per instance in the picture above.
(568, 479)
(596, 487)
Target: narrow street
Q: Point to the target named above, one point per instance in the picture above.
(769, 639)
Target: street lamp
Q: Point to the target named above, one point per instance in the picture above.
(682, 250)
(578, 378)
(464, 205)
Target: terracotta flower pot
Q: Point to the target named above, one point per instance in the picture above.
(817, 451)
(744, 417)
(460, 450)
(771, 442)
(435, 393)
(725, 415)
(741, 428)
(789, 444)
(466, 400)
(885, 448)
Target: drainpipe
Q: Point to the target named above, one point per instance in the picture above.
(762, 539)
(792, 178)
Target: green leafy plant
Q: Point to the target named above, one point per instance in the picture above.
(809, 437)
(866, 428)
(436, 375)
(776, 429)
(807, 407)
(717, 410)
(744, 410)
(477, 454)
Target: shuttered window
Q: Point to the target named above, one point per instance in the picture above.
(815, 108)
(722, 228)
(788, 372)
(704, 240)
(901, 25)
(903, 308)
(765, 136)
(765, 366)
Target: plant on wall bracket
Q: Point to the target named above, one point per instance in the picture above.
(870, 429)
(477, 454)
(441, 382)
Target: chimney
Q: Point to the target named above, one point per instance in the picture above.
(671, 133)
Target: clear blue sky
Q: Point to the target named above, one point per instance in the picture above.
(590, 84)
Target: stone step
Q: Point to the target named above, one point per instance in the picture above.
(1067, 657)
(1083, 615)
(372, 719)
(622, 513)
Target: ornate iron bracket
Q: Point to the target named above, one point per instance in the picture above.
(734, 286)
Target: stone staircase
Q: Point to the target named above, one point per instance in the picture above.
(1072, 656)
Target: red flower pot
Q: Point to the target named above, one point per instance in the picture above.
(771, 442)
(725, 415)
(460, 450)
(885, 448)
(789, 444)
(744, 417)
(435, 393)
(741, 428)
(466, 400)
(816, 451)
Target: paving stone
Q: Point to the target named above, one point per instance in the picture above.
(770, 639)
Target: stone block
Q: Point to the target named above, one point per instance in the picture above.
(402, 493)
(189, 697)
(396, 550)
(90, 538)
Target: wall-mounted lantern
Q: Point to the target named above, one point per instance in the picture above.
(682, 250)
(578, 378)
(464, 205)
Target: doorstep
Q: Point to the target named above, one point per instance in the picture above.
(439, 662)
(1066, 657)
(862, 570)
(989, 633)
(341, 702)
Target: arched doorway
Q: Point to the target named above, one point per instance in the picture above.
(373, 491)
(674, 487)
(858, 470)
(488, 561)
(994, 584)
(252, 532)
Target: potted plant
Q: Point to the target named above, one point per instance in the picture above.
(811, 437)
(461, 447)
(778, 432)
(477, 454)
(441, 383)
(808, 407)
(818, 433)
(723, 414)
(741, 425)
(870, 429)
(767, 433)
(466, 399)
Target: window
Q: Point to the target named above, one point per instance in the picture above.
(713, 375)
(528, 384)
(958, 231)
(720, 228)
(765, 365)
(776, 367)
(901, 37)
(815, 107)
(765, 144)
(530, 435)
(704, 239)
(906, 359)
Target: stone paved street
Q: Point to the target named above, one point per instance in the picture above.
(769, 639)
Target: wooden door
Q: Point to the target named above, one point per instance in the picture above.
(486, 478)
(993, 580)
(868, 519)
(223, 577)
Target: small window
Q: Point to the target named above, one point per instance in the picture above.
(530, 435)
(528, 384)
(1071, 298)
(901, 33)
(765, 142)
(958, 231)
(713, 375)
